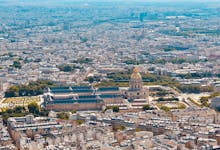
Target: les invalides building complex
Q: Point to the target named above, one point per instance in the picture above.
(89, 98)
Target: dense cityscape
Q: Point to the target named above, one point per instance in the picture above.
(104, 75)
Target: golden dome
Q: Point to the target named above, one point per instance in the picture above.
(136, 75)
(135, 70)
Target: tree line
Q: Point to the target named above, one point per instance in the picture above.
(20, 111)
(68, 67)
(153, 79)
(32, 89)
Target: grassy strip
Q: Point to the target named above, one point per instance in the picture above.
(194, 102)
(27, 99)
(166, 108)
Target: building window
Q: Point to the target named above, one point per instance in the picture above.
(138, 93)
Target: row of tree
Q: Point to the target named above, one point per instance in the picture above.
(82, 60)
(196, 75)
(174, 61)
(16, 64)
(205, 99)
(92, 79)
(32, 89)
(194, 88)
(20, 111)
(68, 67)
(116, 108)
(161, 99)
(157, 80)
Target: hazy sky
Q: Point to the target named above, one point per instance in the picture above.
(216, 3)
(110, 0)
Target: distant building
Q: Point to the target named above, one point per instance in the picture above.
(29, 127)
(217, 88)
(215, 102)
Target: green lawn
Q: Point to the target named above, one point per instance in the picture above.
(22, 100)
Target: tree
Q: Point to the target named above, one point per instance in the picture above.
(167, 99)
(92, 79)
(137, 129)
(82, 60)
(73, 111)
(12, 91)
(194, 88)
(34, 108)
(115, 109)
(83, 39)
(17, 64)
(44, 112)
(5, 117)
(147, 107)
(32, 89)
(80, 122)
(9, 111)
(160, 99)
(19, 109)
(68, 67)
(151, 69)
(204, 101)
(131, 61)
(63, 115)
(118, 127)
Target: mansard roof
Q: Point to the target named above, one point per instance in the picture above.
(104, 89)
